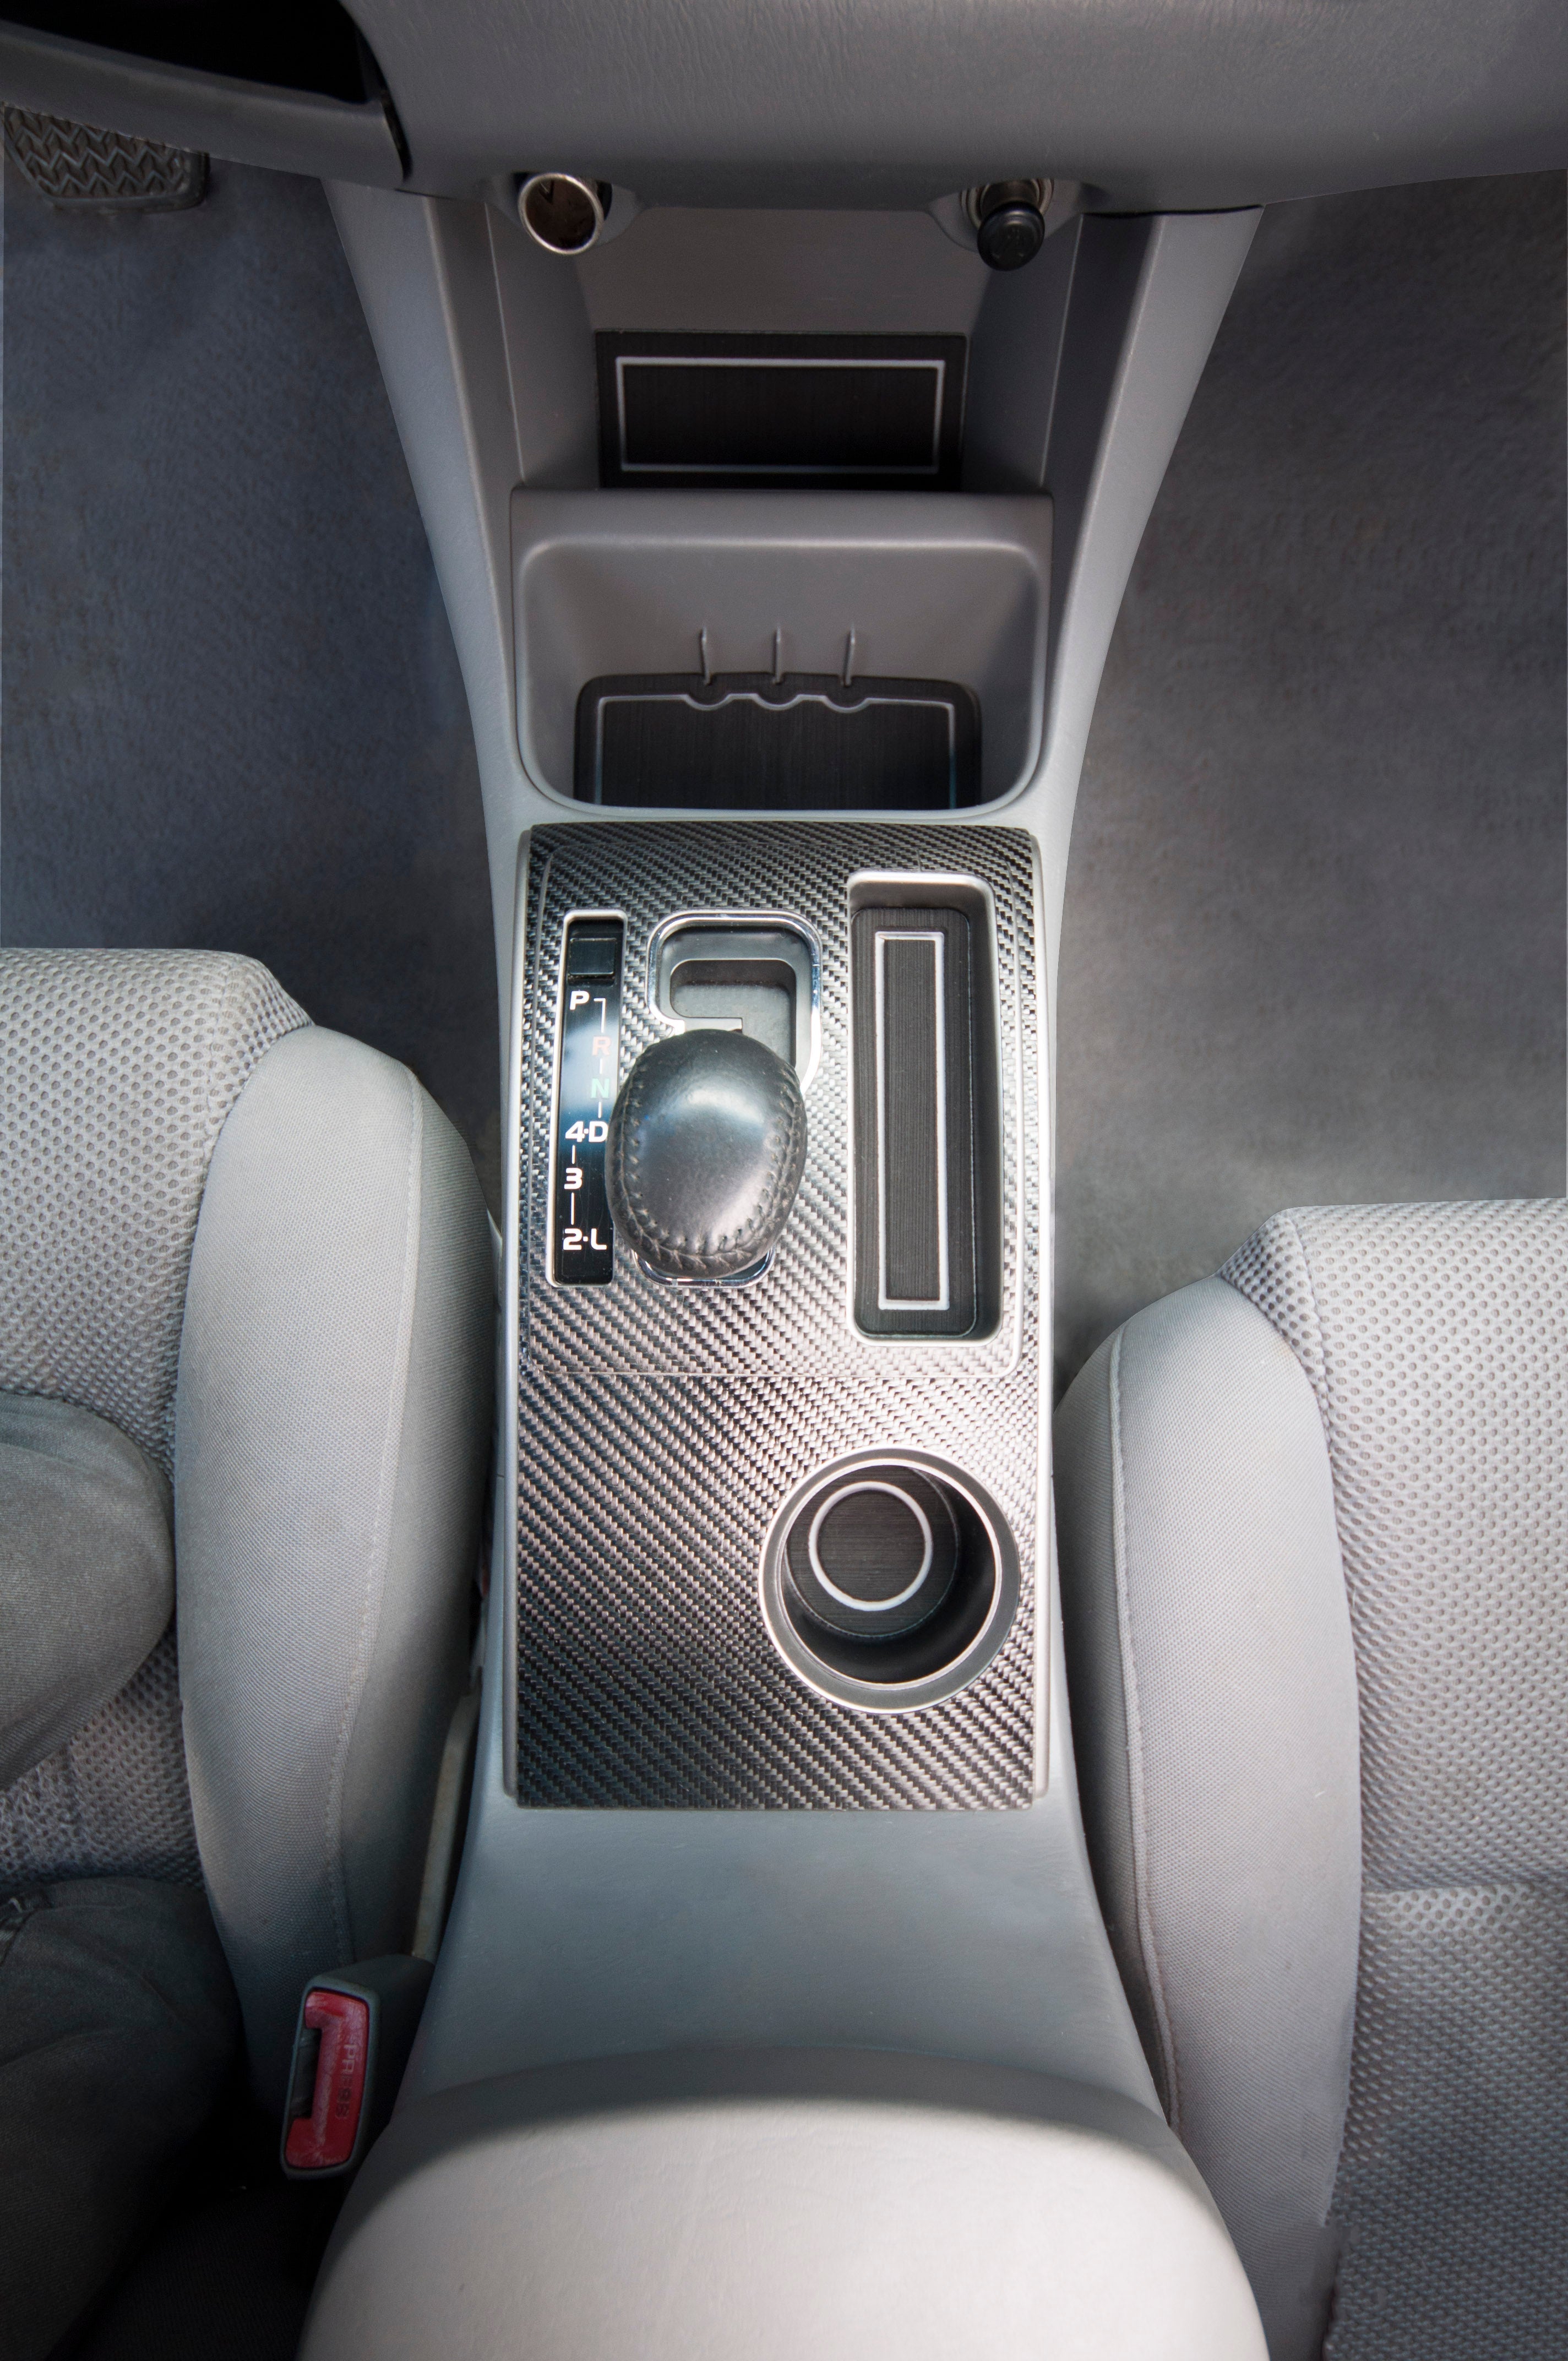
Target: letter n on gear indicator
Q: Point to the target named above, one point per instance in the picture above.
(582, 1241)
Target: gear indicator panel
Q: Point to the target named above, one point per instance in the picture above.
(582, 1241)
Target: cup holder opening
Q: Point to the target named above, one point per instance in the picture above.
(889, 1583)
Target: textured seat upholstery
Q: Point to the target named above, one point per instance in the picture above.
(117, 1069)
(1313, 1529)
(246, 1278)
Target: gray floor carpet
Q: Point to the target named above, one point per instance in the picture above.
(232, 715)
(1314, 941)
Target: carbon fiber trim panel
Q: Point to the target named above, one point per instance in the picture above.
(659, 1427)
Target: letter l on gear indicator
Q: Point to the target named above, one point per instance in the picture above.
(582, 1241)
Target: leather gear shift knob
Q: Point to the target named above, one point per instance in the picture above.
(705, 1148)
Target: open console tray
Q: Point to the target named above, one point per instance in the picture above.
(717, 599)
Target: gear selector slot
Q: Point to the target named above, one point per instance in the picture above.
(750, 973)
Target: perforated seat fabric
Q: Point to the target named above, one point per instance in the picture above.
(1316, 1619)
(117, 1069)
(260, 1251)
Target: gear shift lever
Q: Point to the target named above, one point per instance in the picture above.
(707, 1144)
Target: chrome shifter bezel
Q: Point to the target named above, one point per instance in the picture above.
(740, 922)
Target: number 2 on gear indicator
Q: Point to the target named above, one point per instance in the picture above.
(582, 1241)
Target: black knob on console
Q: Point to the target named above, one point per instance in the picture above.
(1009, 223)
(707, 1144)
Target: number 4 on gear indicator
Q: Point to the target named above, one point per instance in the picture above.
(582, 1241)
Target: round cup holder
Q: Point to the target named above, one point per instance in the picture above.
(889, 1580)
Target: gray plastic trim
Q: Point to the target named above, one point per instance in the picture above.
(1148, 297)
(1143, 107)
(248, 122)
(584, 1934)
(577, 1934)
(1114, 350)
(425, 278)
(810, 102)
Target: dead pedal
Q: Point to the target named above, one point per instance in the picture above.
(71, 164)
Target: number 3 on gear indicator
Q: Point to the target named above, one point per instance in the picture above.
(582, 1241)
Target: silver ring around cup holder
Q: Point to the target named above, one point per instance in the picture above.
(920, 1591)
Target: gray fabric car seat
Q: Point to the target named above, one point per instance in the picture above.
(1312, 1521)
(247, 1320)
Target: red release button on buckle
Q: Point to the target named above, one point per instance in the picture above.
(326, 2135)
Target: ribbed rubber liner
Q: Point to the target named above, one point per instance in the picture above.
(76, 165)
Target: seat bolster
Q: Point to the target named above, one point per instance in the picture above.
(412, 1675)
(333, 1423)
(1212, 1684)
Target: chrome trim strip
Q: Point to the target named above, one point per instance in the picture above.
(510, 1390)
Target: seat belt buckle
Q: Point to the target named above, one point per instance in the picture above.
(327, 2090)
(351, 2040)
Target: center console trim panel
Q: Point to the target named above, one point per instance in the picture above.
(659, 1427)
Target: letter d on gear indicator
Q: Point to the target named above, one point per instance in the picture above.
(582, 1239)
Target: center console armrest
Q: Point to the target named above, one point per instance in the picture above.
(778, 2203)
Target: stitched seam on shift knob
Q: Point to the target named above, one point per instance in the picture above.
(648, 1221)
(783, 1148)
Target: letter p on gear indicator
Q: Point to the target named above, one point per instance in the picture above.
(582, 1240)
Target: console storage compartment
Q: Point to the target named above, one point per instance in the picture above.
(717, 599)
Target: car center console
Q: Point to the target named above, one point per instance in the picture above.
(781, 553)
